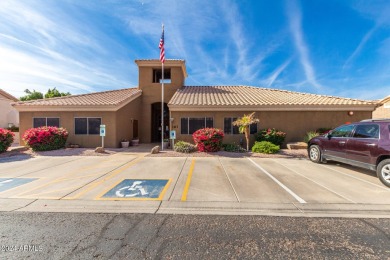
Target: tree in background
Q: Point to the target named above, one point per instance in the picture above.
(31, 95)
(55, 93)
(244, 124)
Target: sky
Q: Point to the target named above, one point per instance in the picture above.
(328, 47)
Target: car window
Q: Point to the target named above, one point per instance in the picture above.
(343, 131)
(367, 131)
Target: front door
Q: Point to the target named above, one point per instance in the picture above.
(156, 122)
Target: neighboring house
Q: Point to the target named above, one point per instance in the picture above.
(136, 112)
(8, 114)
(383, 110)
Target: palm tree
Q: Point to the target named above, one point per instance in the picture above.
(243, 124)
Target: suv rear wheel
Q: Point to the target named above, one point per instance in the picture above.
(315, 153)
(383, 172)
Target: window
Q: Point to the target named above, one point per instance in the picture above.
(46, 121)
(228, 127)
(190, 125)
(87, 125)
(157, 73)
(343, 131)
(367, 131)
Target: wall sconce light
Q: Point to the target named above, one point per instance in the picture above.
(131, 120)
(350, 113)
(171, 119)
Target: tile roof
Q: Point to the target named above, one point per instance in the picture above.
(106, 98)
(247, 96)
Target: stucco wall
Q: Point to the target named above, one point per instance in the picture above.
(67, 121)
(295, 124)
(151, 93)
(8, 114)
(382, 111)
(125, 118)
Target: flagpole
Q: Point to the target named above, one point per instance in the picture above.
(162, 100)
(162, 107)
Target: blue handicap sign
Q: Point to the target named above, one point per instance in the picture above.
(136, 189)
(9, 183)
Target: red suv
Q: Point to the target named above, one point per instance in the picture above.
(364, 144)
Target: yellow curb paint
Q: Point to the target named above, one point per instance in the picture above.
(188, 182)
(160, 197)
(94, 184)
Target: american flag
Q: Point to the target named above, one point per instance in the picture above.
(161, 46)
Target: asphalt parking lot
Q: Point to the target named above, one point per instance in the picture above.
(134, 182)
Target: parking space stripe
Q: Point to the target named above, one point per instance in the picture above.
(338, 194)
(91, 185)
(231, 184)
(356, 178)
(188, 182)
(299, 199)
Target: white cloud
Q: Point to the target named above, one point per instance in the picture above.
(295, 21)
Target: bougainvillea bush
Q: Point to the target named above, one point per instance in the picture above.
(46, 138)
(208, 139)
(271, 135)
(6, 139)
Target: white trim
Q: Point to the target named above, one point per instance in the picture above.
(87, 134)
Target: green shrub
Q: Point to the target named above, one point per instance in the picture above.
(6, 139)
(265, 147)
(323, 130)
(208, 139)
(271, 135)
(310, 135)
(46, 138)
(184, 147)
(235, 148)
(13, 128)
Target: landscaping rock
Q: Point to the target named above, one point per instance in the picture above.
(297, 145)
(99, 150)
(155, 150)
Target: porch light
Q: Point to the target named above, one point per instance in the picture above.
(350, 113)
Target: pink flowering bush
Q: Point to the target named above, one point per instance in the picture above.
(46, 138)
(6, 139)
(271, 135)
(208, 139)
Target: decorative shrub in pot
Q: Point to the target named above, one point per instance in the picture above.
(46, 138)
(208, 139)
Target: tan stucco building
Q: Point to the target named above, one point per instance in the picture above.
(136, 112)
(383, 109)
(8, 115)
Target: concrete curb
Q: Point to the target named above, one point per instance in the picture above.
(199, 208)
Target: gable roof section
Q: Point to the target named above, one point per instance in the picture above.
(244, 98)
(6, 95)
(100, 101)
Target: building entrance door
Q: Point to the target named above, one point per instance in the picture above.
(156, 122)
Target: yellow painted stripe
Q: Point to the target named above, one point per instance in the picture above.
(188, 182)
(93, 185)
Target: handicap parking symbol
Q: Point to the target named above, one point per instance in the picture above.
(138, 189)
(9, 183)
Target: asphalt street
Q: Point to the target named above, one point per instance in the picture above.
(149, 236)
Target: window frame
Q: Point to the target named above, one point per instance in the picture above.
(232, 127)
(365, 138)
(59, 121)
(350, 133)
(74, 126)
(188, 123)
